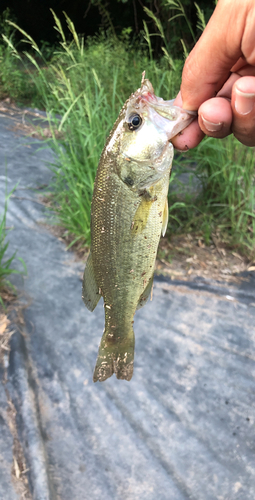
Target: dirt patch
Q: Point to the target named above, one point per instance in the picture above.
(8, 298)
(23, 121)
(19, 468)
(187, 256)
(14, 307)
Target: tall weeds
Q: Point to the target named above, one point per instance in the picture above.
(226, 169)
(86, 86)
(225, 202)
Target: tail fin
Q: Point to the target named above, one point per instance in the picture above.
(115, 355)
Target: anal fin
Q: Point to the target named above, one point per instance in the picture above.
(145, 295)
(90, 290)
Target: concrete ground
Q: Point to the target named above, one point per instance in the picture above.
(182, 428)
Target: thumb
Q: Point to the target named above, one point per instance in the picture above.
(219, 47)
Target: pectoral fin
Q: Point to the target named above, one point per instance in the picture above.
(165, 218)
(90, 290)
(141, 216)
(145, 295)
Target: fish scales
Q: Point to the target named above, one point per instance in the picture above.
(129, 208)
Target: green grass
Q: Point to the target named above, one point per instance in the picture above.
(226, 203)
(227, 170)
(6, 263)
(86, 84)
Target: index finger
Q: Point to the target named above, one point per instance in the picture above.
(191, 136)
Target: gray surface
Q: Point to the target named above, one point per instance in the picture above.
(183, 428)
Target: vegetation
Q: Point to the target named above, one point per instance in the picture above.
(89, 17)
(84, 84)
(6, 268)
(226, 203)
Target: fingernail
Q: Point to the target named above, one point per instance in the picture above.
(210, 126)
(244, 102)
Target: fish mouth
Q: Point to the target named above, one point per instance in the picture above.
(171, 119)
(168, 117)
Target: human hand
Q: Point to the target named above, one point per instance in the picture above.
(219, 77)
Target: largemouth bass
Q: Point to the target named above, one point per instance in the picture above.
(129, 211)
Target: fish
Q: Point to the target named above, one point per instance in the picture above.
(129, 212)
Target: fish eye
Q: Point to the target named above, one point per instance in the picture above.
(134, 121)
